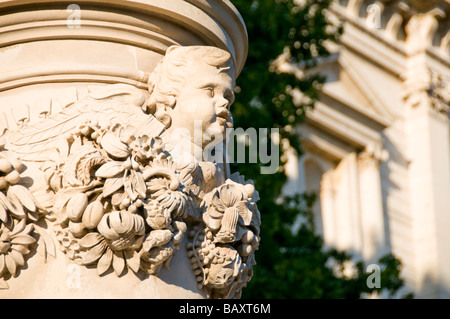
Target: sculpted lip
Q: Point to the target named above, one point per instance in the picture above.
(223, 113)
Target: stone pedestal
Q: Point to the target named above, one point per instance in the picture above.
(96, 199)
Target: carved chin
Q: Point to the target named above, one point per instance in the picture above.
(216, 132)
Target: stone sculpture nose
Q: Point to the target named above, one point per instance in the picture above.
(222, 103)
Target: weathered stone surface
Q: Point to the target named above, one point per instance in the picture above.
(105, 189)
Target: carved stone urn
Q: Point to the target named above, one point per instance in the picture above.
(109, 111)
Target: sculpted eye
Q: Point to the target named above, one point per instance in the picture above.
(210, 91)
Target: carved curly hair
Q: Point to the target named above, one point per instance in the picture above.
(169, 75)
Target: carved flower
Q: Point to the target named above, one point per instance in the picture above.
(174, 202)
(122, 175)
(120, 142)
(133, 154)
(165, 187)
(226, 208)
(18, 203)
(145, 148)
(69, 244)
(120, 234)
(13, 246)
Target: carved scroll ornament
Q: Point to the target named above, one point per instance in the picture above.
(118, 198)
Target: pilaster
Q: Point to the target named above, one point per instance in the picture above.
(428, 149)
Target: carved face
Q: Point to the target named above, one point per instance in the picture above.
(204, 102)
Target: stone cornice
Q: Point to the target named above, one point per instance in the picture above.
(149, 25)
(391, 34)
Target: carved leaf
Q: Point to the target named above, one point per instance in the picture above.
(94, 254)
(44, 199)
(23, 240)
(20, 227)
(132, 93)
(157, 238)
(110, 169)
(21, 249)
(5, 202)
(105, 262)
(10, 265)
(3, 214)
(77, 146)
(245, 213)
(46, 246)
(15, 204)
(133, 259)
(17, 257)
(230, 195)
(63, 146)
(158, 186)
(112, 185)
(48, 173)
(85, 166)
(24, 195)
(138, 183)
(90, 240)
(118, 262)
(217, 202)
(56, 182)
(33, 216)
(71, 172)
(129, 189)
(29, 140)
(33, 142)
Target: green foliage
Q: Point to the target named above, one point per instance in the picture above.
(291, 264)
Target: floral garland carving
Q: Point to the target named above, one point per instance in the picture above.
(221, 249)
(19, 210)
(118, 202)
(121, 203)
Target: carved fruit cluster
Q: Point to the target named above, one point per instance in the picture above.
(18, 210)
(122, 203)
(222, 253)
(119, 202)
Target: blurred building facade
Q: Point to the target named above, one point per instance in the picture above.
(377, 145)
